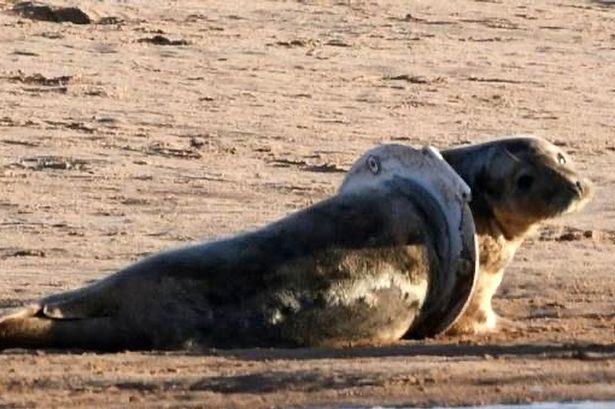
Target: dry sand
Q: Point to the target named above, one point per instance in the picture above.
(112, 148)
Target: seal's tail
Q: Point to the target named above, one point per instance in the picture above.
(31, 328)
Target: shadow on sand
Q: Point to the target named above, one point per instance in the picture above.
(314, 379)
(605, 3)
(536, 351)
(582, 351)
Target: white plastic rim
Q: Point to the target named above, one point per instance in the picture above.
(450, 288)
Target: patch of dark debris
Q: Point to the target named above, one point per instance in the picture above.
(44, 12)
(38, 82)
(540, 309)
(494, 80)
(162, 40)
(210, 143)
(567, 233)
(414, 79)
(308, 166)
(162, 149)
(13, 252)
(51, 162)
(337, 43)
(409, 18)
(20, 143)
(487, 39)
(25, 53)
(196, 142)
(310, 43)
(291, 43)
(494, 22)
(110, 20)
(297, 43)
(77, 126)
(52, 35)
(40, 79)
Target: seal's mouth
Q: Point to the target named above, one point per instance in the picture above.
(573, 197)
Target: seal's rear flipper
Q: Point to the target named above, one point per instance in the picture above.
(31, 328)
(93, 301)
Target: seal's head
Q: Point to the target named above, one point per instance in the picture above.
(521, 181)
(379, 163)
(396, 160)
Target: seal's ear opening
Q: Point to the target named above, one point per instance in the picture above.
(373, 164)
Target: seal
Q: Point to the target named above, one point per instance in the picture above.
(517, 183)
(358, 268)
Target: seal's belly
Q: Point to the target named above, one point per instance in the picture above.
(347, 297)
(336, 298)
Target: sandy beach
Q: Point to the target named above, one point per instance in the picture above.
(164, 123)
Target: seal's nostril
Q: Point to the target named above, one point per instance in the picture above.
(579, 186)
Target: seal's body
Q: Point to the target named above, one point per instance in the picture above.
(516, 183)
(354, 269)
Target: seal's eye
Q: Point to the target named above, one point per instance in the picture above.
(373, 164)
(561, 159)
(525, 182)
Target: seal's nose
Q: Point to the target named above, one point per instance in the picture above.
(584, 188)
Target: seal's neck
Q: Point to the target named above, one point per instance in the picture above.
(487, 223)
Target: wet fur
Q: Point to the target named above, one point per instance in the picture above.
(505, 214)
